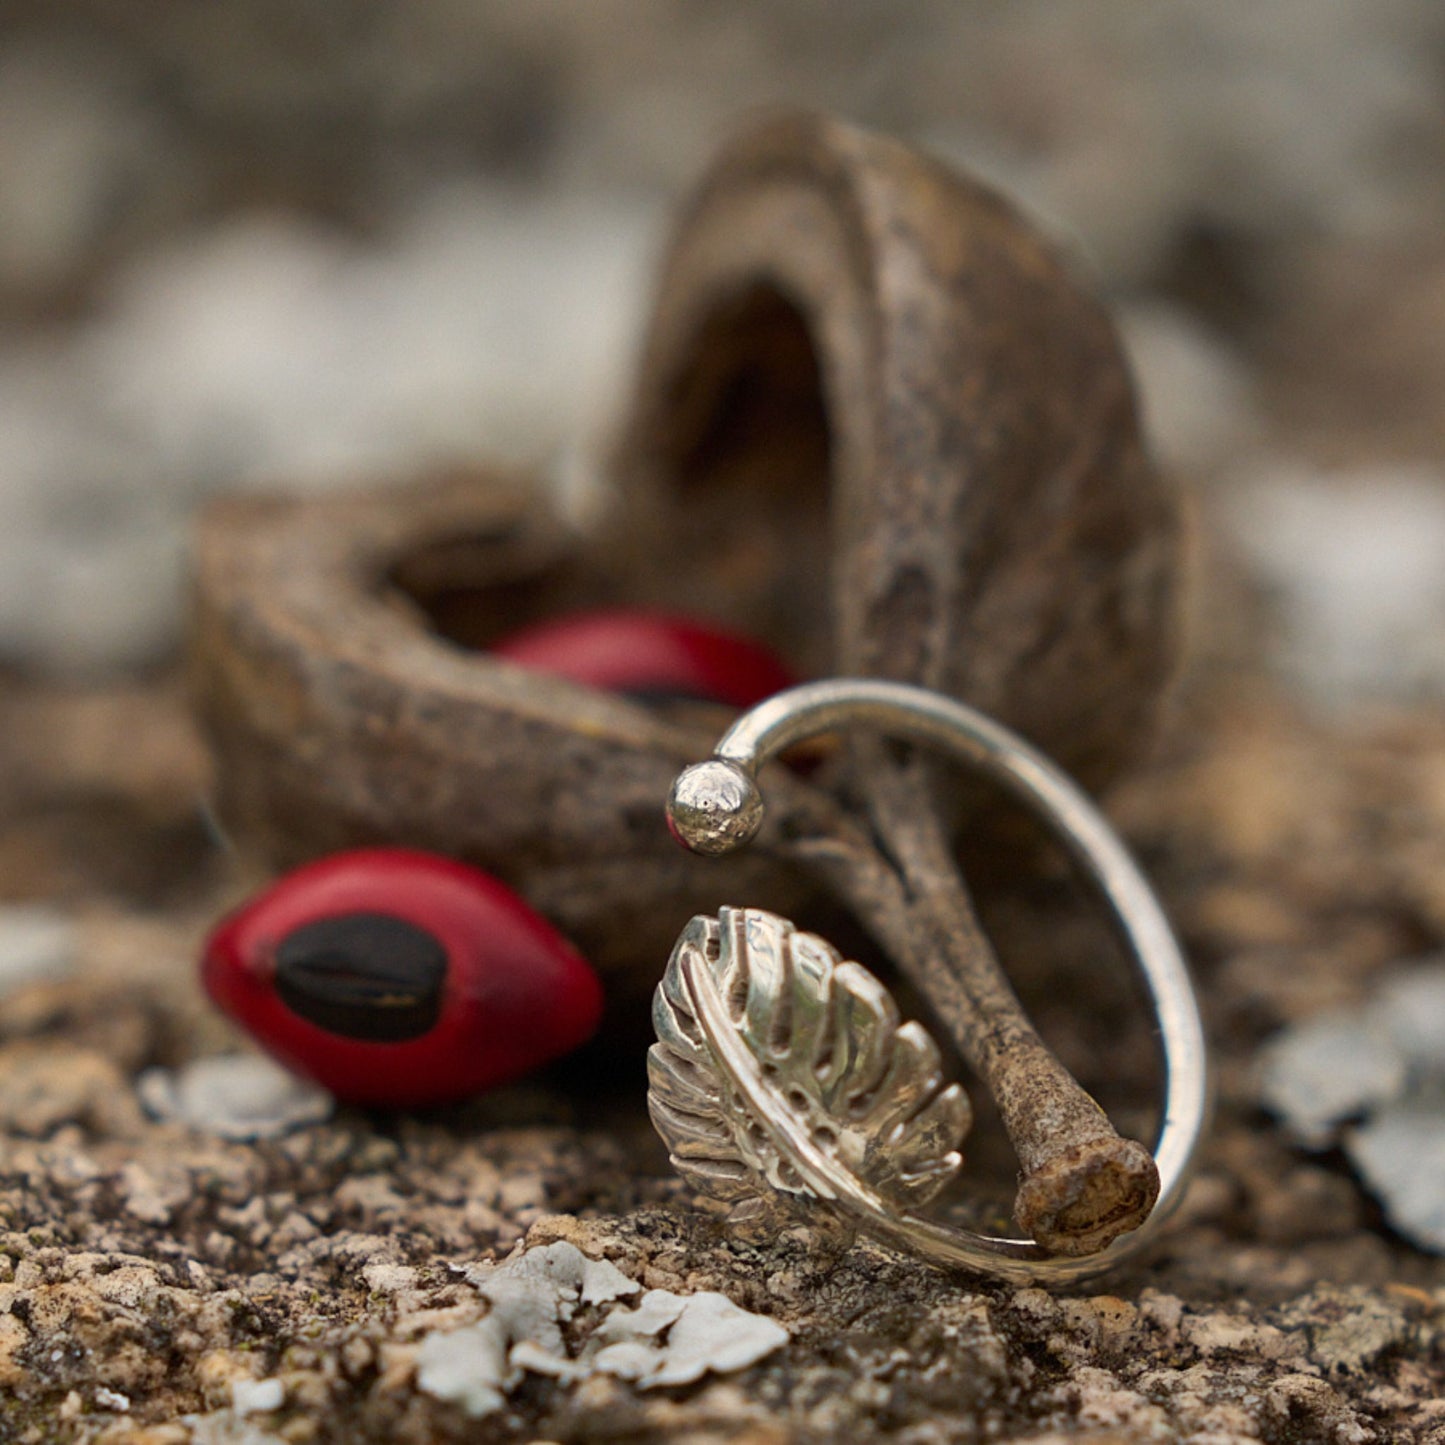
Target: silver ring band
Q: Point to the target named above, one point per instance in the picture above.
(918, 715)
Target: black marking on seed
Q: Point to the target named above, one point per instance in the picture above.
(664, 695)
(365, 976)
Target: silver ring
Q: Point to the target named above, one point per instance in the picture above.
(748, 1104)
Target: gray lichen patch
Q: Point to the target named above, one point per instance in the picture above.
(1349, 1329)
(1381, 1069)
(667, 1339)
(234, 1096)
(1400, 1154)
(36, 943)
(1327, 1070)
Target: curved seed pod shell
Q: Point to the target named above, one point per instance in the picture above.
(339, 718)
(847, 330)
(848, 342)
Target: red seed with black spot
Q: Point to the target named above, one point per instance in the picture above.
(394, 977)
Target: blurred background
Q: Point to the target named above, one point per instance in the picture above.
(300, 243)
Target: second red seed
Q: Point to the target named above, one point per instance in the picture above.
(647, 654)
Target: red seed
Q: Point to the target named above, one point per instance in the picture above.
(394, 977)
(650, 654)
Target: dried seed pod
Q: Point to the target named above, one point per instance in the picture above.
(850, 343)
(339, 716)
(849, 336)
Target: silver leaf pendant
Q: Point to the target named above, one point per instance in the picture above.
(781, 1067)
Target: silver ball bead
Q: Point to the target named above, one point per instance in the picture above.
(714, 807)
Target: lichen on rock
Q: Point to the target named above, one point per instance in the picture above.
(1372, 1080)
(668, 1339)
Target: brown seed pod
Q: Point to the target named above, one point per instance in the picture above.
(876, 423)
(850, 339)
(339, 715)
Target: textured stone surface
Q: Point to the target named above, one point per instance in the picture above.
(1265, 192)
(160, 1286)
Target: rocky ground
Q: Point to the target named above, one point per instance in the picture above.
(309, 244)
(163, 1285)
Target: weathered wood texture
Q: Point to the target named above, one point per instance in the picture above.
(846, 327)
(338, 717)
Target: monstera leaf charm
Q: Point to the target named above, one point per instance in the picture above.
(781, 1067)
